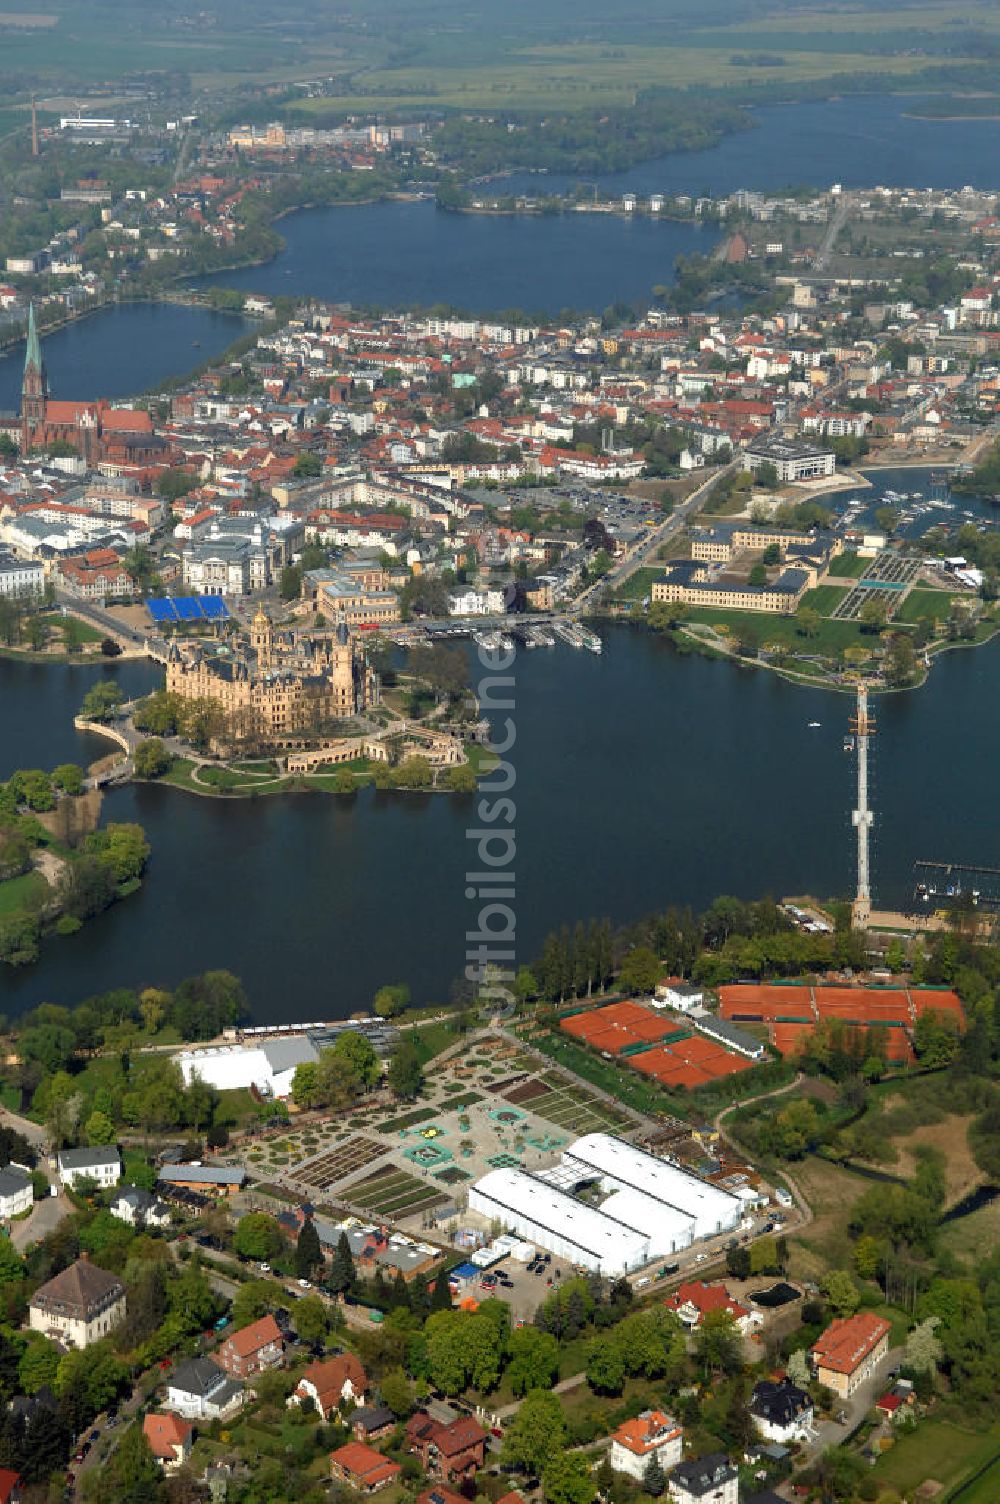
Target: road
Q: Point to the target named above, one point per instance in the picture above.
(643, 554)
(833, 229)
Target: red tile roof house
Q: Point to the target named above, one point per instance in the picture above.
(169, 1439)
(456, 1450)
(362, 1467)
(331, 1382)
(651, 1434)
(252, 1348)
(10, 1486)
(850, 1350)
(692, 1301)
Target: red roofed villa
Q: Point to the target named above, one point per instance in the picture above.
(850, 1350)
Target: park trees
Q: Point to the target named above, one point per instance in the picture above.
(152, 759)
(102, 701)
(841, 1292)
(258, 1237)
(640, 970)
(533, 1360)
(405, 1074)
(308, 1253)
(462, 1349)
(391, 999)
(536, 1434)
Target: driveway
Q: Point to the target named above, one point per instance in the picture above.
(828, 1433)
(45, 1217)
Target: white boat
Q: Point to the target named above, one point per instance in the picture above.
(814, 724)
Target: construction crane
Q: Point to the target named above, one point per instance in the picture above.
(863, 727)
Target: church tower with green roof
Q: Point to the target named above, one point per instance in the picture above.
(34, 385)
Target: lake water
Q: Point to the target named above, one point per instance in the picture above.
(859, 141)
(643, 779)
(395, 254)
(122, 350)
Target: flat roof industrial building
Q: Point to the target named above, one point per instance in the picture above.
(652, 1208)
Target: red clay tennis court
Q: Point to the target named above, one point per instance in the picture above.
(763, 1002)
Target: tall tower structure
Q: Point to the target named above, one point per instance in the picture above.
(262, 639)
(34, 385)
(863, 727)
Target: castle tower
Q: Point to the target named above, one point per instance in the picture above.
(262, 639)
(34, 386)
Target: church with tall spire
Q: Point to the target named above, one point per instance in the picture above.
(95, 430)
(34, 385)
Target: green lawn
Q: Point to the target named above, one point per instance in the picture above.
(847, 566)
(825, 598)
(481, 759)
(783, 631)
(22, 892)
(941, 1450)
(923, 605)
(54, 620)
(639, 585)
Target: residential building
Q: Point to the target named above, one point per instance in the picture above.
(200, 1390)
(101, 1167)
(330, 1382)
(850, 1351)
(781, 1410)
(79, 1306)
(10, 1486)
(692, 1301)
(372, 1422)
(252, 1349)
(456, 1448)
(362, 1468)
(169, 1439)
(705, 1480)
(16, 1194)
(139, 1209)
(650, 1434)
(20, 578)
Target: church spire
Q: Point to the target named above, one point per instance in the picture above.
(34, 386)
(33, 352)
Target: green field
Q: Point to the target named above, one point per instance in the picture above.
(943, 1451)
(639, 585)
(825, 598)
(783, 631)
(848, 566)
(929, 605)
(21, 892)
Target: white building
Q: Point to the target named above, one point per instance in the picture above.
(16, 1194)
(535, 1209)
(782, 1411)
(651, 1434)
(652, 1208)
(792, 461)
(269, 1066)
(79, 1306)
(102, 1167)
(20, 578)
(139, 1209)
(200, 1390)
(706, 1480)
(672, 1194)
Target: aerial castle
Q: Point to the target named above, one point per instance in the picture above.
(278, 688)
